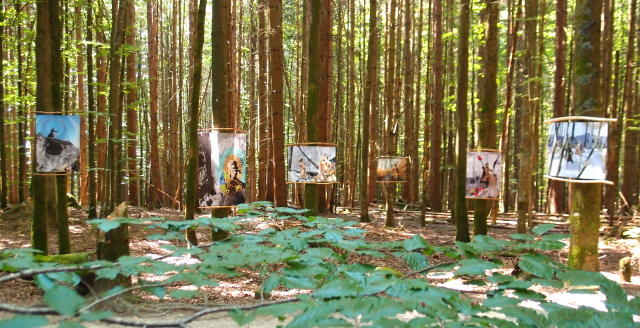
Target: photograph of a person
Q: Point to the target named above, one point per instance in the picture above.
(484, 174)
(312, 164)
(577, 150)
(222, 168)
(392, 169)
(206, 187)
(57, 143)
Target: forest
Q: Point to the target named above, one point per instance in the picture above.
(319, 163)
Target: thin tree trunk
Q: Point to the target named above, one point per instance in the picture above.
(630, 176)
(277, 103)
(526, 169)
(155, 170)
(131, 105)
(91, 175)
(194, 113)
(435, 193)
(367, 109)
(263, 101)
(461, 219)
(3, 149)
(22, 117)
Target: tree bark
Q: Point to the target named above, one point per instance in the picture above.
(194, 114)
(277, 101)
(435, 192)
(488, 96)
(318, 83)
(630, 176)
(3, 149)
(461, 219)
(155, 196)
(525, 173)
(131, 103)
(91, 165)
(586, 198)
(367, 104)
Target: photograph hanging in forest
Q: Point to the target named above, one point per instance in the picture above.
(484, 174)
(222, 168)
(577, 150)
(312, 164)
(57, 143)
(392, 169)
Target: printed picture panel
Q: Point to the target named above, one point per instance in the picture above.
(484, 174)
(577, 150)
(57, 143)
(312, 164)
(392, 169)
(222, 167)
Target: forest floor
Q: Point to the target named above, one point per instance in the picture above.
(15, 233)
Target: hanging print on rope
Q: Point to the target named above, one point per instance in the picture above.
(222, 167)
(57, 143)
(484, 173)
(577, 149)
(392, 169)
(312, 163)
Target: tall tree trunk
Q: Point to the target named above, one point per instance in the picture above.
(526, 170)
(318, 91)
(410, 190)
(82, 103)
(113, 180)
(3, 149)
(488, 95)
(48, 98)
(611, 192)
(263, 102)
(155, 195)
(131, 103)
(91, 165)
(22, 117)
(630, 176)
(586, 197)
(460, 212)
(367, 104)
(556, 188)
(613, 150)
(389, 143)
(223, 113)
(435, 193)
(194, 114)
(277, 102)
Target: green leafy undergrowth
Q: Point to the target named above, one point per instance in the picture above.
(314, 256)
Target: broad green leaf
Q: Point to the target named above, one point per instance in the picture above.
(271, 283)
(415, 242)
(519, 236)
(500, 301)
(582, 278)
(63, 299)
(24, 321)
(473, 267)
(242, 318)
(542, 228)
(105, 225)
(537, 264)
(70, 324)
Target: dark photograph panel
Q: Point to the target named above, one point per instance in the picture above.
(484, 174)
(577, 150)
(57, 143)
(312, 164)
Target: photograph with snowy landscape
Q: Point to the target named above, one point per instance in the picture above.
(312, 164)
(484, 172)
(577, 150)
(57, 143)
